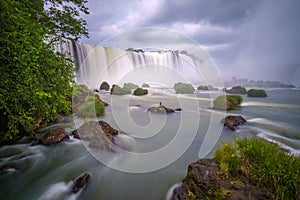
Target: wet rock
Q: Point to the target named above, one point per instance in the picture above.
(205, 181)
(6, 168)
(162, 109)
(80, 182)
(101, 142)
(233, 121)
(54, 136)
(107, 128)
(100, 134)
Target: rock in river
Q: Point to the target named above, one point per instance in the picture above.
(233, 121)
(54, 136)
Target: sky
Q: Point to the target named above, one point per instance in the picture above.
(254, 39)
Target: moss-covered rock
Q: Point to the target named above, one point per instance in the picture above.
(117, 90)
(227, 102)
(208, 87)
(256, 93)
(130, 86)
(184, 88)
(104, 86)
(140, 92)
(236, 90)
(92, 107)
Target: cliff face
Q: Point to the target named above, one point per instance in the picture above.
(204, 180)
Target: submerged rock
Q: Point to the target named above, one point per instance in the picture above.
(233, 121)
(80, 182)
(204, 180)
(7, 168)
(54, 136)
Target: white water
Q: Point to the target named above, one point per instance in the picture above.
(97, 64)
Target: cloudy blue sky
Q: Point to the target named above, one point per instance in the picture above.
(255, 39)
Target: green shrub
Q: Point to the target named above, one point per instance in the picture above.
(256, 93)
(227, 102)
(104, 86)
(117, 90)
(209, 87)
(184, 88)
(140, 92)
(264, 163)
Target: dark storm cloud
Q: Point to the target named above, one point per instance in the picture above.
(219, 12)
(250, 38)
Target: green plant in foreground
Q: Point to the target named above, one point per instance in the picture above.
(264, 163)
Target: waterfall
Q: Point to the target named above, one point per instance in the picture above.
(96, 64)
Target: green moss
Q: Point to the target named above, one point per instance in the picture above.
(256, 93)
(236, 90)
(117, 90)
(91, 107)
(130, 86)
(227, 102)
(184, 88)
(264, 163)
(104, 86)
(140, 92)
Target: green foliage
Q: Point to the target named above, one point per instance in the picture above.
(130, 86)
(117, 90)
(184, 88)
(140, 92)
(227, 102)
(104, 86)
(91, 107)
(256, 93)
(236, 90)
(35, 80)
(264, 163)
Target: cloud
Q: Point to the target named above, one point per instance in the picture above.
(250, 38)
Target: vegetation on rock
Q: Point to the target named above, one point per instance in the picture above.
(208, 87)
(140, 92)
(264, 164)
(130, 86)
(36, 80)
(236, 90)
(117, 90)
(184, 88)
(104, 86)
(227, 102)
(256, 93)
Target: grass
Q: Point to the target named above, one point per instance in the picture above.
(264, 164)
(228, 102)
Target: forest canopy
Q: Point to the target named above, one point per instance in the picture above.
(36, 80)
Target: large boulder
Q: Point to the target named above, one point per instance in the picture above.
(54, 136)
(117, 90)
(140, 92)
(205, 180)
(130, 86)
(104, 86)
(233, 121)
(236, 90)
(162, 109)
(227, 102)
(100, 134)
(184, 88)
(256, 93)
(80, 182)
